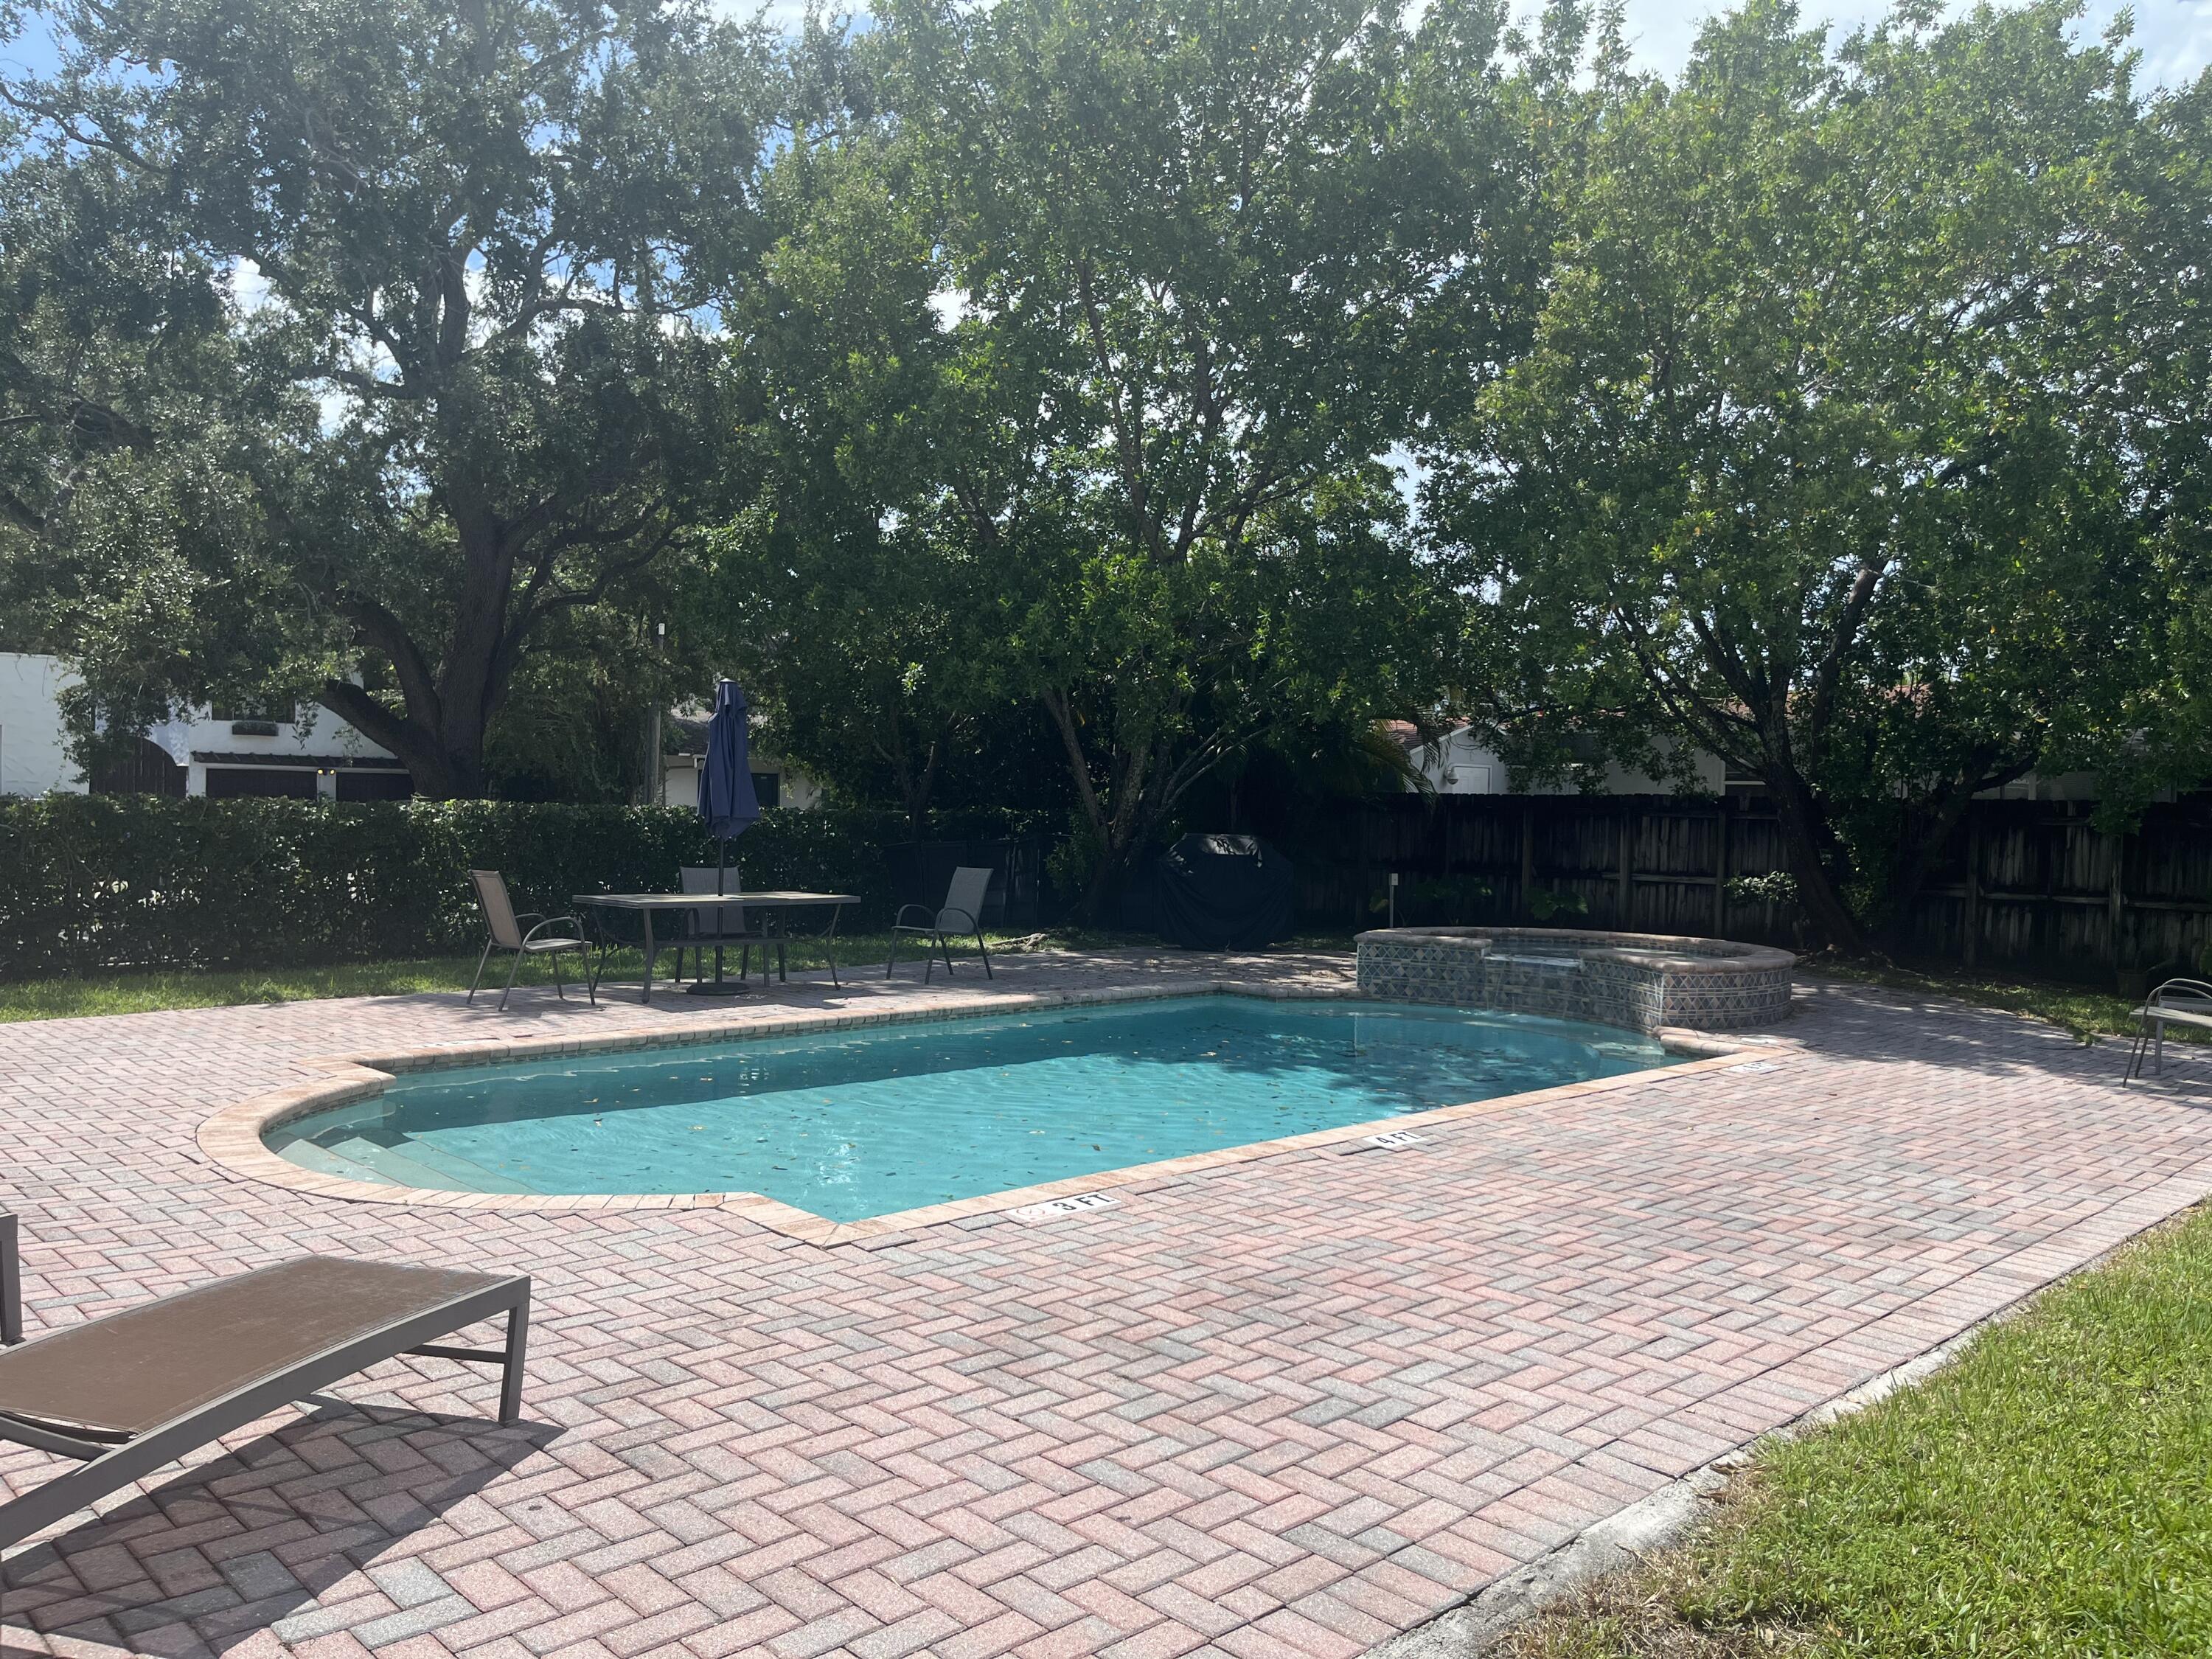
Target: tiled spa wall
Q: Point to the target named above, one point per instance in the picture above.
(1640, 981)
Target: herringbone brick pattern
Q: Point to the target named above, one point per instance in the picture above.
(1287, 1407)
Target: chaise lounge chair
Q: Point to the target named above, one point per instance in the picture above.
(130, 1392)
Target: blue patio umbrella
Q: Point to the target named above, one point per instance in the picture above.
(727, 800)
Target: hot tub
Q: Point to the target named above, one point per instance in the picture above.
(1639, 982)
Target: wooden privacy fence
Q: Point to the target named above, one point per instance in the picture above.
(2032, 886)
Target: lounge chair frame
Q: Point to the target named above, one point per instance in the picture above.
(11, 1283)
(110, 1464)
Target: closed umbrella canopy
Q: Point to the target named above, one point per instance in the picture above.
(727, 800)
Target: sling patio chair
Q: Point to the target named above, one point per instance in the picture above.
(2184, 1002)
(127, 1392)
(962, 915)
(716, 927)
(503, 931)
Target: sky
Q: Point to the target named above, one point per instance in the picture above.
(2175, 36)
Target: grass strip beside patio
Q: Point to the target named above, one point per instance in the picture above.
(2050, 1493)
(2085, 1011)
(136, 992)
(139, 992)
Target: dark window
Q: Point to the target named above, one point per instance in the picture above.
(255, 714)
(375, 785)
(143, 769)
(768, 788)
(227, 782)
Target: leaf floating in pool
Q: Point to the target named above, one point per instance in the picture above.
(697, 1127)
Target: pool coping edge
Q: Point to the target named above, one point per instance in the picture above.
(232, 1137)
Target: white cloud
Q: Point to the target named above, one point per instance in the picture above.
(249, 288)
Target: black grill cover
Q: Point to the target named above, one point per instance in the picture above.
(1222, 893)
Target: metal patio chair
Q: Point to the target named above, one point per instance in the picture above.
(2177, 1002)
(504, 932)
(717, 927)
(960, 915)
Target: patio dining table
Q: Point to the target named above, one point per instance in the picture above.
(646, 906)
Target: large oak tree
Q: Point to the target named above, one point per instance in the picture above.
(355, 343)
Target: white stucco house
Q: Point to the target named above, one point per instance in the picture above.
(309, 753)
(1459, 762)
(775, 782)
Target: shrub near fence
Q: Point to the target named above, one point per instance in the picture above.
(93, 882)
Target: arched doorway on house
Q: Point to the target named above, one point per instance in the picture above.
(142, 768)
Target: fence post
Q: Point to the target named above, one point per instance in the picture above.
(1359, 898)
(1721, 866)
(2116, 900)
(1528, 862)
(1627, 879)
(1971, 945)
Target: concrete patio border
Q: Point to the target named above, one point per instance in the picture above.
(232, 1137)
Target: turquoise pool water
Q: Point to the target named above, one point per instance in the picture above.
(858, 1123)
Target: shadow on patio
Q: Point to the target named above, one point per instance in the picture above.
(231, 1547)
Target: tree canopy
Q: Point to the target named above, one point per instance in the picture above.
(1181, 381)
(1131, 380)
(354, 345)
(1847, 445)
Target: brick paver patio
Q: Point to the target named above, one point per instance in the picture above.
(1286, 1408)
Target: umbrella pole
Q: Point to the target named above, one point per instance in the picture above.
(718, 986)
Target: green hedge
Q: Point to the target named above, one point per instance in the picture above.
(92, 882)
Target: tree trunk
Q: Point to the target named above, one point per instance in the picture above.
(441, 765)
(1118, 825)
(915, 790)
(1806, 844)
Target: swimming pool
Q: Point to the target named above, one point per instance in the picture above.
(865, 1121)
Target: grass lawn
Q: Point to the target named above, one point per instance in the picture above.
(137, 993)
(2048, 1494)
